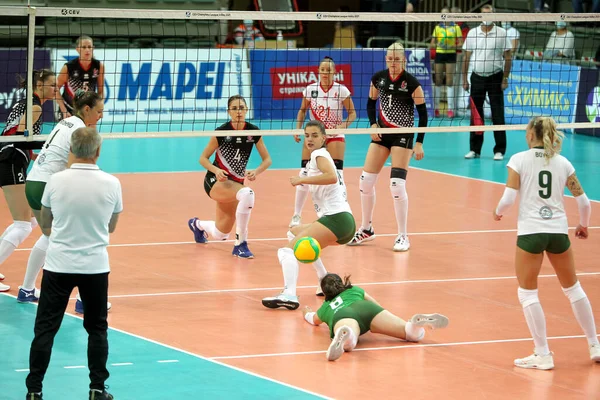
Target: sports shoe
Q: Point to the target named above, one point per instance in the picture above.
(595, 352)
(28, 296)
(100, 395)
(336, 348)
(33, 396)
(319, 291)
(242, 251)
(199, 235)
(535, 361)
(281, 300)
(1, 277)
(433, 321)
(296, 219)
(4, 288)
(498, 156)
(79, 306)
(470, 155)
(361, 236)
(402, 243)
(450, 114)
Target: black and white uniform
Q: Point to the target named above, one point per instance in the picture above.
(396, 107)
(80, 78)
(15, 157)
(232, 155)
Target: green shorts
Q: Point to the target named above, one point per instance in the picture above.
(536, 243)
(362, 311)
(34, 191)
(341, 224)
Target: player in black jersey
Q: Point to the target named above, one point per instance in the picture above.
(224, 181)
(83, 72)
(14, 161)
(398, 93)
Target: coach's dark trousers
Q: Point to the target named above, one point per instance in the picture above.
(491, 85)
(56, 289)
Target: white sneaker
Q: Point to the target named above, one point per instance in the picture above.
(295, 220)
(402, 243)
(336, 348)
(434, 321)
(108, 306)
(4, 288)
(281, 300)
(595, 352)
(498, 156)
(1, 277)
(536, 361)
(470, 155)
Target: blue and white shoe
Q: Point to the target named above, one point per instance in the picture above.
(242, 251)
(79, 306)
(199, 235)
(28, 296)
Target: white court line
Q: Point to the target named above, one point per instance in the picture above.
(167, 361)
(75, 367)
(406, 346)
(121, 364)
(22, 370)
(256, 375)
(261, 289)
(440, 233)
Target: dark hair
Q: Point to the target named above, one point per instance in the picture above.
(317, 124)
(83, 98)
(39, 75)
(234, 98)
(332, 285)
(487, 7)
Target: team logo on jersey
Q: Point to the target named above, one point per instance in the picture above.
(86, 76)
(96, 72)
(545, 212)
(404, 86)
(75, 74)
(391, 86)
(314, 94)
(228, 138)
(250, 139)
(381, 83)
(238, 140)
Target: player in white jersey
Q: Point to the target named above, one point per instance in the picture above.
(53, 158)
(539, 175)
(335, 224)
(325, 101)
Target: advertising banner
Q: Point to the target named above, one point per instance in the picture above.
(588, 100)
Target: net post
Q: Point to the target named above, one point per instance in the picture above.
(31, 11)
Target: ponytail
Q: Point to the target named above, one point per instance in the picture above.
(332, 285)
(545, 131)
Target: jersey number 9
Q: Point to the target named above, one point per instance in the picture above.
(545, 181)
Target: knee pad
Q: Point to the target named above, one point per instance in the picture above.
(367, 182)
(303, 164)
(18, 233)
(399, 173)
(398, 189)
(339, 164)
(34, 223)
(575, 293)
(528, 297)
(245, 196)
(283, 253)
(42, 243)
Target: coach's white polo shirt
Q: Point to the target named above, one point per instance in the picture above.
(83, 200)
(487, 57)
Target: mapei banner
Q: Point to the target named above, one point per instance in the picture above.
(170, 86)
(541, 89)
(13, 64)
(280, 76)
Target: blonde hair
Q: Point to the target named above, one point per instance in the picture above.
(545, 130)
(398, 47)
(82, 38)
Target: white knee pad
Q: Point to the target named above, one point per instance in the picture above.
(18, 233)
(283, 253)
(575, 293)
(245, 197)
(367, 182)
(34, 223)
(398, 189)
(42, 243)
(303, 173)
(528, 297)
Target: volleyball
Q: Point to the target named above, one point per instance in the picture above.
(307, 250)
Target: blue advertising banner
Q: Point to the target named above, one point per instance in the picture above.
(280, 76)
(588, 100)
(13, 63)
(541, 88)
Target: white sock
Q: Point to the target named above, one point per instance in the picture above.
(301, 194)
(290, 236)
(414, 333)
(367, 198)
(290, 268)
(6, 249)
(211, 229)
(35, 262)
(451, 104)
(536, 321)
(438, 96)
(241, 227)
(320, 268)
(583, 311)
(400, 197)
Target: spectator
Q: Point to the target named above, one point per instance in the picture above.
(578, 6)
(513, 35)
(561, 42)
(246, 32)
(462, 97)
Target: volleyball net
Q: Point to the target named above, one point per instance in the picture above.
(170, 73)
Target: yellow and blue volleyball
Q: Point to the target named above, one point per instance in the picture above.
(307, 250)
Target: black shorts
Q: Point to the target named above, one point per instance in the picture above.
(404, 140)
(445, 58)
(209, 181)
(13, 167)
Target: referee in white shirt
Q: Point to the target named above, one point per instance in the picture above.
(80, 207)
(489, 49)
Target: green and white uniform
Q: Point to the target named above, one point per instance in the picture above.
(52, 158)
(330, 201)
(350, 303)
(542, 223)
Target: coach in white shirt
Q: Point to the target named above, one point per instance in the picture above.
(80, 207)
(488, 48)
